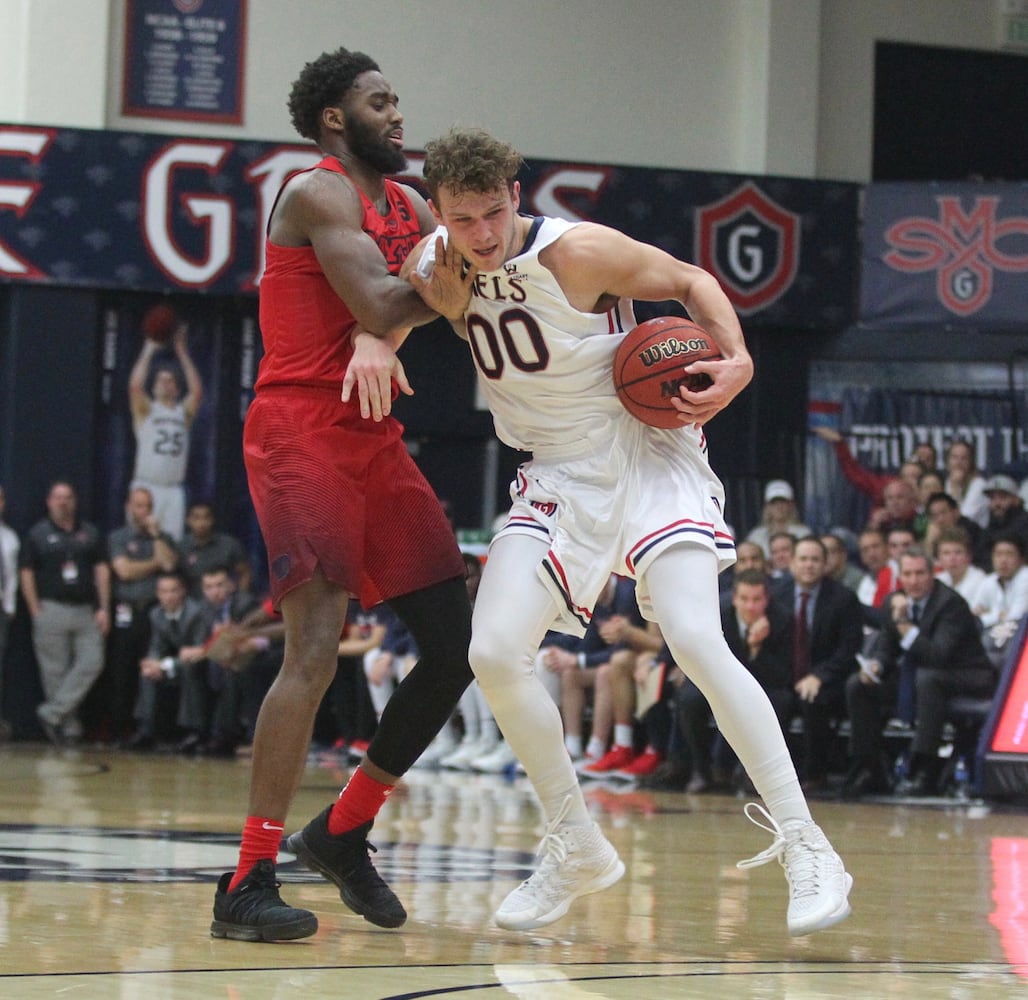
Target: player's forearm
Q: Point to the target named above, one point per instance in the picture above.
(29, 593)
(137, 377)
(398, 308)
(102, 580)
(708, 306)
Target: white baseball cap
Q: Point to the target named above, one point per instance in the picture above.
(1001, 484)
(778, 489)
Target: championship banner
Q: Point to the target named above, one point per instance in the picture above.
(184, 59)
(954, 254)
(145, 212)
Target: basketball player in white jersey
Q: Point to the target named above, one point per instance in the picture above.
(161, 423)
(603, 492)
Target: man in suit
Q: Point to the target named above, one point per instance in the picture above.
(178, 627)
(930, 647)
(827, 634)
(758, 632)
(226, 606)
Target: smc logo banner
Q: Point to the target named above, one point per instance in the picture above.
(948, 253)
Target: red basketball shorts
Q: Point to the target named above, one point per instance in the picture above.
(336, 491)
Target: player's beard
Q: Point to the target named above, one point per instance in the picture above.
(368, 145)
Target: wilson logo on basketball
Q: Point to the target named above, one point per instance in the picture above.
(671, 348)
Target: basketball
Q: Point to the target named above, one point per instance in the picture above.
(160, 323)
(648, 367)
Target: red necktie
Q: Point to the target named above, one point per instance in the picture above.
(801, 640)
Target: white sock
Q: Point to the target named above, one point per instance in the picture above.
(623, 735)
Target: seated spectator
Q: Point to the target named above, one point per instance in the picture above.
(758, 632)
(943, 512)
(965, 483)
(203, 548)
(226, 606)
(839, 567)
(827, 631)
(258, 648)
(928, 484)
(748, 555)
(953, 559)
(1007, 516)
(779, 514)
(172, 670)
(898, 508)
(779, 569)
(388, 663)
(928, 651)
(926, 456)
(353, 721)
(897, 541)
(874, 557)
(656, 679)
(1002, 599)
(616, 680)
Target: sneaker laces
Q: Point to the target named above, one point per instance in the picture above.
(552, 850)
(792, 851)
(263, 876)
(361, 859)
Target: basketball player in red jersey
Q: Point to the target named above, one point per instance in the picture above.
(342, 507)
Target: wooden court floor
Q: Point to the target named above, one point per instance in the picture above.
(108, 862)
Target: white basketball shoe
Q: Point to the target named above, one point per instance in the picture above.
(819, 885)
(576, 860)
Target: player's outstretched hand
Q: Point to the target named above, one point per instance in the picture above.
(729, 377)
(447, 288)
(372, 369)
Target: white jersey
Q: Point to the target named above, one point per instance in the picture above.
(162, 445)
(603, 490)
(544, 368)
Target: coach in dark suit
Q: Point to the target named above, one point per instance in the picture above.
(757, 631)
(827, 635)
(930, 638)
(178, 627)
(226, 606)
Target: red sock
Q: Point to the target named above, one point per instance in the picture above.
(358, 802)
(261, 838)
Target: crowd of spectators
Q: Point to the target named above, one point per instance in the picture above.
(859, 633)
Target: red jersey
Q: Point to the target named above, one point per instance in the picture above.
(304, 324)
